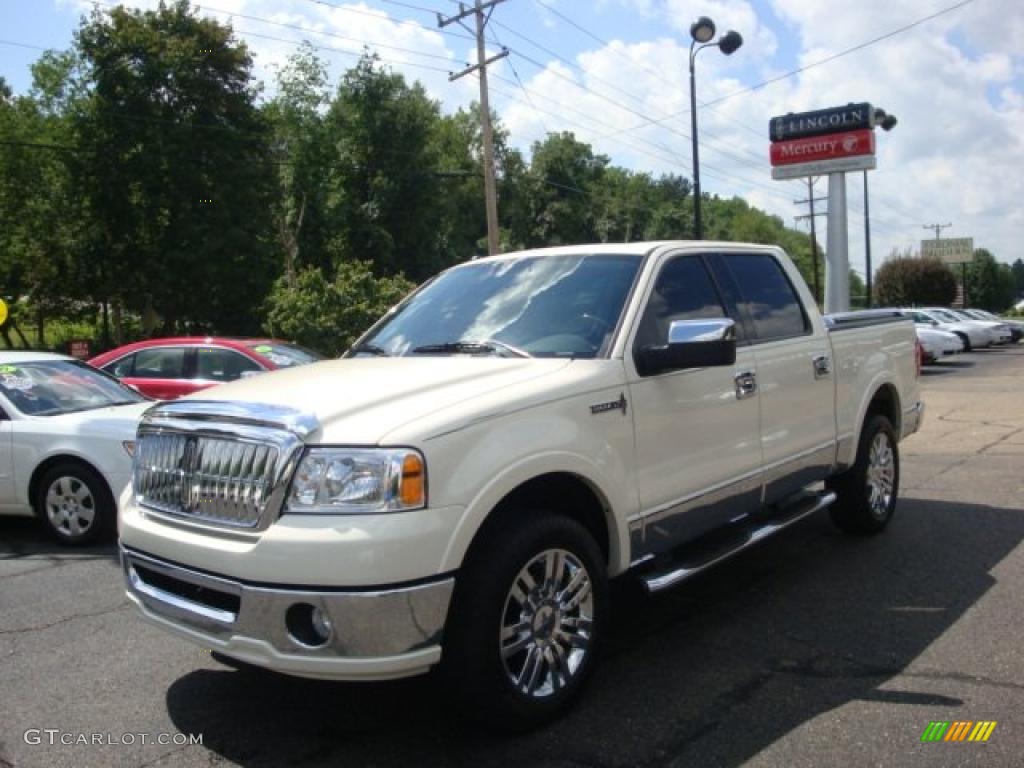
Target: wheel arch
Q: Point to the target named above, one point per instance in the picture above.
(563, 490)
(60, 458)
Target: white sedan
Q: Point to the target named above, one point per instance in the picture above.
(67, 433)
(974, 335)
(936, 344)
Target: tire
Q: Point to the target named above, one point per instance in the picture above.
(519, 645)
(966, 340)
(866, 493)
(74, 504)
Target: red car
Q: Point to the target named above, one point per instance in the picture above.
(169, 368)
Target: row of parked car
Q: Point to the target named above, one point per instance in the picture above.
(67, 428)
(943, 331)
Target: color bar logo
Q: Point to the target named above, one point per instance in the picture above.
(960, 730)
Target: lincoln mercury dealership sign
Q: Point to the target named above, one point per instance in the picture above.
(823, 141)
(952, 250)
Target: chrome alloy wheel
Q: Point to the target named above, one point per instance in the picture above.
(547, 623)
(881, 475)
(70, 506)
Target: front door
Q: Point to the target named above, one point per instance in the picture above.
(6, 460)
(698, 446)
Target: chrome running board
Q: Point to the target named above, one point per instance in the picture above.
(695, 561)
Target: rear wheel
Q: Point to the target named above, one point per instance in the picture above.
(866, 493)
(527, 618)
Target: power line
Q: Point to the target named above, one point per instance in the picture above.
(403, 22)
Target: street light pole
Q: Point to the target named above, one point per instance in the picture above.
(701, 32)
(698, 226)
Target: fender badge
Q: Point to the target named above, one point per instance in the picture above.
(612, 406)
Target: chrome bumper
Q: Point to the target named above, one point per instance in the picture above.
(379, 634)
(912, 418)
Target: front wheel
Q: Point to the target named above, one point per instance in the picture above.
(527, 618)
(74, 504)
(866, 493)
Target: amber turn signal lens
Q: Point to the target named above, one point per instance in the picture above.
(413, 490)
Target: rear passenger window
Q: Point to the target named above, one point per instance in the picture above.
(121, 368)
(683, 291)
(160, 363)
(769, 297)
(216, 364)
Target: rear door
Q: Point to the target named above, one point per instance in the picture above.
(795, 380)
(697, 448)
(162, 372)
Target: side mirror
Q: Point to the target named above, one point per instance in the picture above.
(691, 344)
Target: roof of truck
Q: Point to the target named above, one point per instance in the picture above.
(627, 249)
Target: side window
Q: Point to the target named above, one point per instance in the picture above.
(769, 298)
(121, 368)
(683, 291)
(160, 363)
(216, 364)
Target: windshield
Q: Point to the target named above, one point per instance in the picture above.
(284, 355)
(543, 306)
(53, 387)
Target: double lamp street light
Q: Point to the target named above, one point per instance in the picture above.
(702, 30)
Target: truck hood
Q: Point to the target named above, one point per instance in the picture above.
(358, 401)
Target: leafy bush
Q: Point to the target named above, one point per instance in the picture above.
(908, 281)
(328, 315)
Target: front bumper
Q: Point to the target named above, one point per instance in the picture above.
(376, 634)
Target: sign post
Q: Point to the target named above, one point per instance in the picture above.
(837, 265)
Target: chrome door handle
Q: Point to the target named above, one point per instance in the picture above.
(746, 384)
(822, 366)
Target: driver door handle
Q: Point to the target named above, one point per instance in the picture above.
(746, 384)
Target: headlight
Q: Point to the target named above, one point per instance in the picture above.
(344, 481)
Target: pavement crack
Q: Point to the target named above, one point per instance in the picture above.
(962, 677)
(65, 620)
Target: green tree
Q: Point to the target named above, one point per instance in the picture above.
(565, 176)
(175, 168)
(1018, 276)
(302, 155)
(990, 285)
(328, 315)
(384, 187)
(907, 280)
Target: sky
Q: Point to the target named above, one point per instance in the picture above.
(615, 73)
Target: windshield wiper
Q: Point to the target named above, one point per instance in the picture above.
(372, 349)
(489, 346)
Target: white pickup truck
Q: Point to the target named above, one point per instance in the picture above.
(458, 490)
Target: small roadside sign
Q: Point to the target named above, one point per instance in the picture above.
(822, 167)
(951, 250)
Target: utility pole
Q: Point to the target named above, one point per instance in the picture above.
(811, 181)
(963, 267)
(482, 11)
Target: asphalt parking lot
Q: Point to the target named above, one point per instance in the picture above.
(815, 649)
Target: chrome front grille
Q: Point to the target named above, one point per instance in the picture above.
(220, 464)
(224, 481)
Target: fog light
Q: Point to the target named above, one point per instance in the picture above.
(308, 625)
